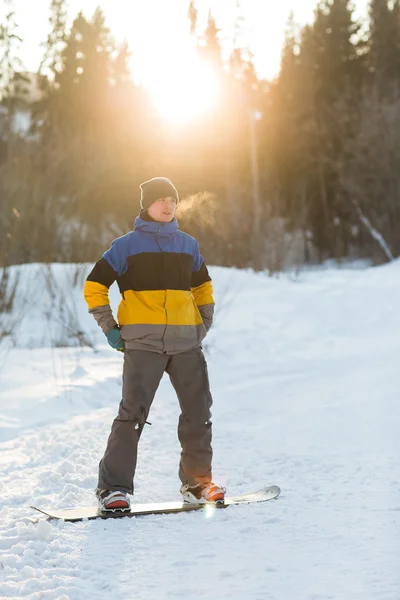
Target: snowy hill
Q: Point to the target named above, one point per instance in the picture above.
(304, 375)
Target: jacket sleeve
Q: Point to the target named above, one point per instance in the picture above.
(96, 293)
(202, 290)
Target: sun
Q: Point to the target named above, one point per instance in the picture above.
(165, 61)
(185, 91)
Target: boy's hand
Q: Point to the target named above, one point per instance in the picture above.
(115, 340)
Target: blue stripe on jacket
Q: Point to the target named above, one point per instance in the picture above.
(151, 236)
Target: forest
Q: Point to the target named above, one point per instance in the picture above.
(293, 171)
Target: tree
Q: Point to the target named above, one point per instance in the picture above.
(384, 44)
(192, 14)
(287, 119)
(210, 49)
(337, 65)
(337, 78)
(11, 78)
(56, 39)
(370, 175)
(314, 98)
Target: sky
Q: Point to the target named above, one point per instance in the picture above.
(156, 29)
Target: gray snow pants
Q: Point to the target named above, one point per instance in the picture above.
(142, 374)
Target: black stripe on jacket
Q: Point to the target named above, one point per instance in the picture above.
(103, 273)
(152, 271)
(200, 277)
(157, 271)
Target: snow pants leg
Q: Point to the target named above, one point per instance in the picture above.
(142, 374)
(189, 376)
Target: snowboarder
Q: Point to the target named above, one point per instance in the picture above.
(166, 310)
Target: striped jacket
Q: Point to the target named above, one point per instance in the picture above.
(167, 303)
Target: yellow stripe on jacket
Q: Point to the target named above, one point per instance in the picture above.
(155, 307)
(203, 294)
(96, 294)
(158, 307)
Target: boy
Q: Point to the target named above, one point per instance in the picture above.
(166, 310)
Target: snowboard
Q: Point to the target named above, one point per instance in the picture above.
(92, 512)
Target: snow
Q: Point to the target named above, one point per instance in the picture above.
(304, 373)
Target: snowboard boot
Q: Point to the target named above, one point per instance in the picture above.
(203, 493)
(112, 501)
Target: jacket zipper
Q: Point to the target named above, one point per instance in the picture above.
(165, 297)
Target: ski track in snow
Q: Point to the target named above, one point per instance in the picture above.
(304, 376)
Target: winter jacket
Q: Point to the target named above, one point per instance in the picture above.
(167, 303)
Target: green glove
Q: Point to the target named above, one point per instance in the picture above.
(115, 340)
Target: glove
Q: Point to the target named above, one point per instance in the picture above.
(115, 340)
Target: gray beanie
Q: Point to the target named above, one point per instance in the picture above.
(156, 188)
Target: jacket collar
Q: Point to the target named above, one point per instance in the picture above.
(154, 227)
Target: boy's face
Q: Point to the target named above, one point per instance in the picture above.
(163, 210)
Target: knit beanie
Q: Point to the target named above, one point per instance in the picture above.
(156, 188)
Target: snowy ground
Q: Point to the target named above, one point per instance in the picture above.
(305, 379)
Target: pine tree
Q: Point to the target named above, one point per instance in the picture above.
(314, 98)
(291, 122)
(56, 39)
(289, 71)
(192, 15)
(95, 48)
(76, 100)
(336, 60)
(10, 63)
(79, 116)
(13, 82)
(211, 50)
(384, 44)
(121, 73)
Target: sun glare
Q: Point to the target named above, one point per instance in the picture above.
(166, 62)
(185, 93)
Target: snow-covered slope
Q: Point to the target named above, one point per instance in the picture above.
(304, 375)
